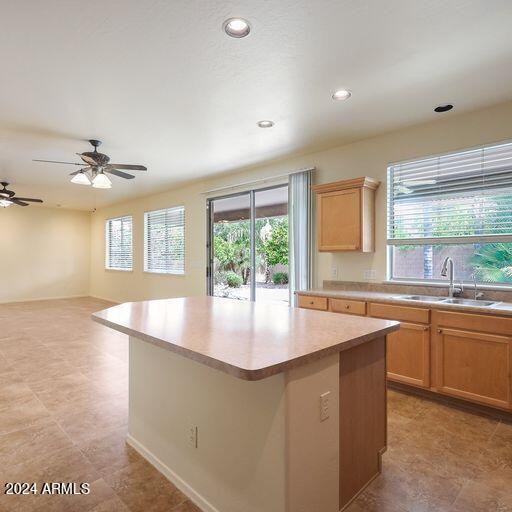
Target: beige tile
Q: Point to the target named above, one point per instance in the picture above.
(22, 413)
(99, 418)
(110, 453)
(492, 492)
(37, 371)
(499, 447)
(64, 465)
(100, 495)
(186, 506)
(32, 444)
(134, 483)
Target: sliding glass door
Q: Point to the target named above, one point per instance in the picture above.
(248, 245)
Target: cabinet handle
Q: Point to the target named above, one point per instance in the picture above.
(347, 306)
(311, 302)
(439, 331)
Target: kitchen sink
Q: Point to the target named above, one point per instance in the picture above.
(424, 298)
(470, 302)
(444, 300)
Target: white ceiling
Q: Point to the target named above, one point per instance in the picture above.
(162, 85)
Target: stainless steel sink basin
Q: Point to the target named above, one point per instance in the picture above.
(470, 302)
(424, 298)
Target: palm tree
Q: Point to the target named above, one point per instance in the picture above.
(493, 263)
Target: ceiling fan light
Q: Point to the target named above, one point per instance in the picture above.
(81, 179)
(101, 181)
(4, 203)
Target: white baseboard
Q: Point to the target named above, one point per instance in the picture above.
(105, 299)
(183, 486)
(35, 299)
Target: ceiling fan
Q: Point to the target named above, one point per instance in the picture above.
(8, 197)
(97, 166)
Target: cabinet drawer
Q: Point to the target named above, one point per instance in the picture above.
(354, 307)
(311, 302)
(473, 322)
(403, 313)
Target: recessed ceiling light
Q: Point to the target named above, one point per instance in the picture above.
(443, 108)
(265, 124)
(341, 94)
(236, 27)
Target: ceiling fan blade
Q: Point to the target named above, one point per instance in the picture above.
(121, 174)
(30, 199)
(128, 167)
(87, 159)
(74, 173)
(56, 162)
(18, 202)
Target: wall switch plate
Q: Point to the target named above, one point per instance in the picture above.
(334, 272)
(324, 405)
(192, 436)
(369, 274)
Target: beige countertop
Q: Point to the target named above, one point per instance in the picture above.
(500, 308)
(247, 340)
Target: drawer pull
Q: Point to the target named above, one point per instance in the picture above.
(347, 306)
(439, 331)
(311, 302)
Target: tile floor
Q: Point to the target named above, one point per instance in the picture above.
(63, 417)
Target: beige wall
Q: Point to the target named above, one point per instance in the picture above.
(44, 252)
(368, 157)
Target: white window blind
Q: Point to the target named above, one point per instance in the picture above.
(164, 241)
(118, 238)
(463, 197)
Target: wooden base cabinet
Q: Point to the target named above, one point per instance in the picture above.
(474, 365)
(464, 355)
(408, 349)
(408, 355)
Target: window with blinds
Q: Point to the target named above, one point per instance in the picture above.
(118, 243)
(164, 241)
(457, 205)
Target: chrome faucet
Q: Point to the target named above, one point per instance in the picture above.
(478, 295)
(453, 291)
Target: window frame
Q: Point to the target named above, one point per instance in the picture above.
(107, 244)
(145, 243)
(455, 241)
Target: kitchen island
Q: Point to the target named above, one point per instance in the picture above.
(256, 407)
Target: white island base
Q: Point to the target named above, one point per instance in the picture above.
(264, 445)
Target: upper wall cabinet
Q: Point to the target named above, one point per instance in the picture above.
(346, 215)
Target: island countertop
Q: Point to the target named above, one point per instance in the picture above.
(248, 340)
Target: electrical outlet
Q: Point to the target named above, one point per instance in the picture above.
(369, 274)
(192, 436)
(324, 405)
(334, 272)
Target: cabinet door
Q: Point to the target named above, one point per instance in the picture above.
(408, 355)
(339, 220)
(474, 365)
